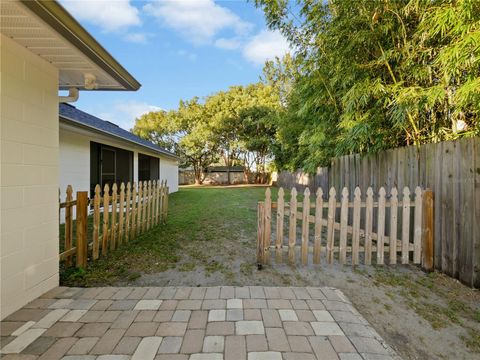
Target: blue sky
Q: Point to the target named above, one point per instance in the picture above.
(176, 49)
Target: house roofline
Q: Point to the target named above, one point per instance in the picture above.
(96, 130)
(59, 19)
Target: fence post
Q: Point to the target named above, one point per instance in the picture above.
(96, 222)
(260, 232)
(106, 216)
(82, 209)
(113, 233)
(292, 227)
(279, 234)
(121, 209)
(68, 224)
(161, 201)
(167, 190)
(305, 225)
(133, 229)
(267, 226)
(427, 230)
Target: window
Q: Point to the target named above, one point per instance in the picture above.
(109, 165)
(148, 168)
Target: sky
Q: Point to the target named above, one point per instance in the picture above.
(176, 49)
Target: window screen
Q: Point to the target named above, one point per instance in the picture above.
(148, 168)
(109, 165)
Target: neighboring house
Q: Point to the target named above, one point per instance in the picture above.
(95, 151)
(42, 49)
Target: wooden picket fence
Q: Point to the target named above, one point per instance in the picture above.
(118, 215)
(344, 230)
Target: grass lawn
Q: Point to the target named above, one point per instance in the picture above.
(199, 220)
(210, 240)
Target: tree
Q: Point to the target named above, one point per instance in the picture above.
(257, 138)
(281, 74)
(198, 145)
(186, 131)
(236, 125)
(158, 128)
(376, 74)
(226, 108)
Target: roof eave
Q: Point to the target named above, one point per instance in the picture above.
(59, 19)
(92, 128)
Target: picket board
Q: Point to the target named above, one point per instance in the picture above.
(380, 242)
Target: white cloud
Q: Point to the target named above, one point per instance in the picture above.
(187, 54)
(124, 113)
(237, 64)
(139, 38)
(110, 15)
(197, 20)
(134, 109)
(227, 44)
(265, 46)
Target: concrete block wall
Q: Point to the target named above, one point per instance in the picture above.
(29, 176)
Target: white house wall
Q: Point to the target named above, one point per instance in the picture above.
(169, 172)
(29, 176)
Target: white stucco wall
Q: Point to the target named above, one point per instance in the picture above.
(75, 159)
(169, 172)
(29, 176)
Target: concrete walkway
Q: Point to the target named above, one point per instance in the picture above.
(231, 323)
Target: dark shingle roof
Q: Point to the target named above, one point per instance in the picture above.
(76, 116)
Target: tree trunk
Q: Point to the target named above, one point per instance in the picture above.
(228, 169)
(198, 175)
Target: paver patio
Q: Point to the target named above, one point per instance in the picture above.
(195, 323)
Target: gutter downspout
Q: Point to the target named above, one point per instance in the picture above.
(73, 95)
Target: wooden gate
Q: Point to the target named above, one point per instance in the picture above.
(352, 232)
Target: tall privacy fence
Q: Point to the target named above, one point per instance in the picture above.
(304, 231)
(117, 215)
(451, 169)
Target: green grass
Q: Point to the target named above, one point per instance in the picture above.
(198, 219)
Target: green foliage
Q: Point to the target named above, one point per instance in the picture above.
(186, 131)
(73, 274)
(372, 75)
(243, 120)
(158, 128)
(236, 125)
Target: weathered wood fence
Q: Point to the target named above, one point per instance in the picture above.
(301, 180)
(451, 169)
(352, 241)
(117, 216)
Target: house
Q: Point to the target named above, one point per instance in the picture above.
(95, 151)
(43, 49)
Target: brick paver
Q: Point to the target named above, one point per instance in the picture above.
(190, 323)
